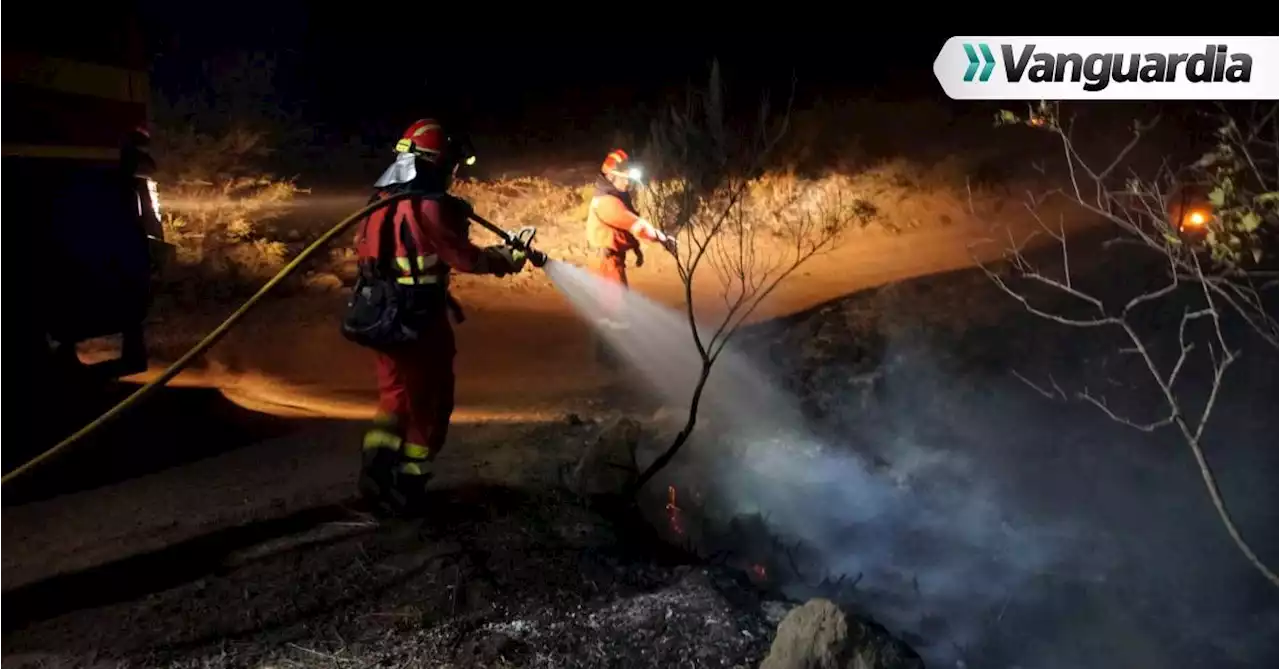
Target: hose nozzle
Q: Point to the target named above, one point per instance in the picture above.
(521, 239)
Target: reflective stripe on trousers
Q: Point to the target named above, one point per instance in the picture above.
(415, 458)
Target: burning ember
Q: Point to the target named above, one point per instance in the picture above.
(673, 511)
(759, 571)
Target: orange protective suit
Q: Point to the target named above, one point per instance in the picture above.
(614, 228)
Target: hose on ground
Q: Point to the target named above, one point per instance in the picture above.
(204, 344)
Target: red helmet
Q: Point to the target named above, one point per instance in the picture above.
(618, 163)
(428, 140)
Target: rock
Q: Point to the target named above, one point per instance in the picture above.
(819, 635)
(608, 465)
(812, 636)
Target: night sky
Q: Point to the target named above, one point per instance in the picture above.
(351, 72)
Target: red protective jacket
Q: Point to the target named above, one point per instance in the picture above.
(431, 231)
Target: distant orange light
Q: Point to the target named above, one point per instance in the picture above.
(1195, 219)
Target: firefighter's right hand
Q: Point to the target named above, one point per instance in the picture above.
(639, 257)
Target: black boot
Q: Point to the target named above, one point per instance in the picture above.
(379, 462)
(408, 498)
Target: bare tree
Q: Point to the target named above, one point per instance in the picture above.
(707, 171)
(1211, 225)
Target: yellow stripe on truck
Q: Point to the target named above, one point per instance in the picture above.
(67, 152)
(77, 77)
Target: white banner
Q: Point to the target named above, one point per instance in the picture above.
(1110, 68)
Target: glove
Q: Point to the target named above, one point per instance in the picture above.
(639, 258)
(669, 243)
(504, 260)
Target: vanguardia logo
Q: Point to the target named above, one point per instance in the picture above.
(979, 67)
(988, 62)
(1097, 71)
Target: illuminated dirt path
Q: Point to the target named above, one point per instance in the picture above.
(523, 357)
(523, 350)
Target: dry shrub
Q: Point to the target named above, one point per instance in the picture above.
(528, 200)
(202, 217)
(891, 195)
(216, 205)
(218, 230)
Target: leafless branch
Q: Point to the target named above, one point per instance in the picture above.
(1140, 211)
(1054, 393)
(725, 213)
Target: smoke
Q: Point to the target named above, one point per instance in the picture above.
(985, 529)
(656, 343)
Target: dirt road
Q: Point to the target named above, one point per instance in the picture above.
(523, 350)
(523, 356)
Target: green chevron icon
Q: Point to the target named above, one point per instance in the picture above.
(987, 58)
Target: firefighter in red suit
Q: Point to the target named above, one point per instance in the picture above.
(416, 381)
(614, 229)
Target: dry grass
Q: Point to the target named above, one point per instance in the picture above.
(220, 209)
(210, 223)
(216, 208)
(227, 245)
(895, 195)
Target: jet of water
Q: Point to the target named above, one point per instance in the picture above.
(657, 343)
(926, 534)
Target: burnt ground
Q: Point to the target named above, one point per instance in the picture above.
(934, 490)
(496, 576)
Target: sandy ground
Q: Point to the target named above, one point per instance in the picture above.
(523, 348)
(523, 356)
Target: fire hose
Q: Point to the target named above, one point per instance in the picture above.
(521, 240)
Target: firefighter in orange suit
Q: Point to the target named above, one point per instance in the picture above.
(416, 381)
(614, 228)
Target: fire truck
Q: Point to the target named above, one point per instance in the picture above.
(81, 204)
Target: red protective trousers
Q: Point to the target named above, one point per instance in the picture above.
(416, 385)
